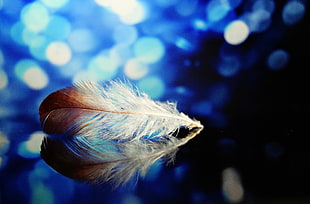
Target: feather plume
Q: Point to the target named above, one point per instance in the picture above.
(109, 134)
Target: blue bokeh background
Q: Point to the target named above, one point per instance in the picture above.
(238, 66)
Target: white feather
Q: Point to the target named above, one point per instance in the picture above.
(115, 132)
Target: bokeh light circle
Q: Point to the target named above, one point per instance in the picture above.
(58, 53)
(35, 16)
(148, 49)
(278, 59)
(236, 32)
(36, 78)
(152, 86)
(134, 69)
(293, 12)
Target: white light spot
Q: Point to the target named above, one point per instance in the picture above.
(136, 14)
(134, 69)
(236, 32)
(35, 78)
(34, 142)
(3, 79)
(232, 187)
(58, 53)
(129, 11)
(4, 144)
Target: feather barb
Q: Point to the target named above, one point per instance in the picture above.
(108, 134)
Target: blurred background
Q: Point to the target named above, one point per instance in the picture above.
(238, 66)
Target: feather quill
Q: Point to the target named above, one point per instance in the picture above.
(109, 134)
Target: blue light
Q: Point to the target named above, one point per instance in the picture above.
(38, 47)
(35, 16)
(120, 53)
(102, 68)
(82, 40)
(23, 151)
(75, 65)
(58, 28)
(267, 5)
(217, 10)
(152, 86)
(125, 34)
(219, 95)
(29, 36)
(22, 66)
(55, 3)
(203, 108)
(293, 12)
(180, 172)
(278, 59)
(130, 198)
(186, 8)
(200, 24)
(3, 79)
(16, 32)
(153, 172)
(183, 44)
(228, 66)
(165, 3)
(12, 7)
(1, 57)
(41, 193)
(259, 20)
(31, 74)
(148, 49)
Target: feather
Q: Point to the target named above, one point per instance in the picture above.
(109, 134)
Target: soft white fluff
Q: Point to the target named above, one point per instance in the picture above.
(119, 133)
